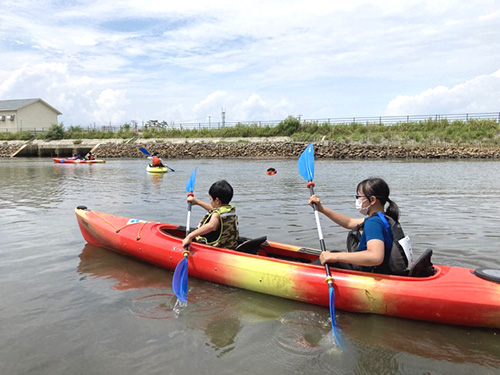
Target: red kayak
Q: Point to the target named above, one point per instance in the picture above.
(452, 295)
(77, 161)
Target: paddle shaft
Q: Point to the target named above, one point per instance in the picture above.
(320, 233)
(188, 223)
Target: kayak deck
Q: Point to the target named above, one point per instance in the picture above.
(453, 295)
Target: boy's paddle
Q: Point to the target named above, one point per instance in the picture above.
(146, 152)
(180, 278)
(306, 170)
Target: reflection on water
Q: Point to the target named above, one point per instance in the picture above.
(120, 270)
(61, 297)
(305, 331)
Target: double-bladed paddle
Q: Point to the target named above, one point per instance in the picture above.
(306, 170)
(147, 153)
(180, 278)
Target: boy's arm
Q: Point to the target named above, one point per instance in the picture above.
(212, 225)
(206, 206)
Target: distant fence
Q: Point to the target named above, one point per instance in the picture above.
(382, 120)
(385, 120)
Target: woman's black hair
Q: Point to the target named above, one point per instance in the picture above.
(222, 190)
(378, 188)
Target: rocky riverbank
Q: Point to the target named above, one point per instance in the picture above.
(293, 149)
(275, 149)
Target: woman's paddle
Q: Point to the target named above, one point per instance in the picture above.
(306, 170)
(180, 279)
(146, 152)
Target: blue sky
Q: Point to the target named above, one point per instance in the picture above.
(116, 61)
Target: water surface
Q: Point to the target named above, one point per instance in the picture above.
(67, 307)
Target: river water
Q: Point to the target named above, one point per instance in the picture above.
(67, 307)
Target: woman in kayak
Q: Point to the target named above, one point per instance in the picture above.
(376, 242)
(219, 227)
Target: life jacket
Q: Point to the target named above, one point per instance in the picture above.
(156, 162)
(397, 262)
(227, 235)
(91, 157)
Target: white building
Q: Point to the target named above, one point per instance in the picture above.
(26, 115)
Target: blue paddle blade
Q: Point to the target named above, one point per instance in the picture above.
(336, 335)
(306, 163)
(332, 308)
(144, 151)
(190, 182)
(180, 280)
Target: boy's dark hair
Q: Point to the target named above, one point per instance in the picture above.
(222, 190)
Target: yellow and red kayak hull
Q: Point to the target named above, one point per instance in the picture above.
(453, 295)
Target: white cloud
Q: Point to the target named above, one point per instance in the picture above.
(111, 105)
(260, 60)
(480, 94)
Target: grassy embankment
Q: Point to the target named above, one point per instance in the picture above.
(424, 133)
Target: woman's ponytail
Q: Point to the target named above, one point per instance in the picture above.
(392, 210)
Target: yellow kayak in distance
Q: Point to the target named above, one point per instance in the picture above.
(151, 169)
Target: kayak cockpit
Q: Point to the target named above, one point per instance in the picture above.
(258, 246)
(421, 268)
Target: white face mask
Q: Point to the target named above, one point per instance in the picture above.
(359, 206)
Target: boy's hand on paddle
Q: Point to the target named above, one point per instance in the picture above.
(186, 241)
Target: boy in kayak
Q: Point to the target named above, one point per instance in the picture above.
(90, 156)
(376, 251)
(156, 160)
(219, 227)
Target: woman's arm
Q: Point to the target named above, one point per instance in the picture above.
(341, 219)
(371, 257)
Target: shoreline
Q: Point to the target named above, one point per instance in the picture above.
(279, 147)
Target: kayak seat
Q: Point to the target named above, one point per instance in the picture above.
(251, 246)
(422, 267)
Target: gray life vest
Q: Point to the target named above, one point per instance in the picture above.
(397, 263)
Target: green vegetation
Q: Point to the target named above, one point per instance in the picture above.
(56, 131)
(471, 132)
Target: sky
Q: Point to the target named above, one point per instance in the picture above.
(113, 62)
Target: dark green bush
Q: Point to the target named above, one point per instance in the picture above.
(56, 131)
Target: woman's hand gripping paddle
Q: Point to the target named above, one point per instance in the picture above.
(146, 152)
(180, 279)
(306, 170)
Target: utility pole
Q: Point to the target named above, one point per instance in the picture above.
(223, 114)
